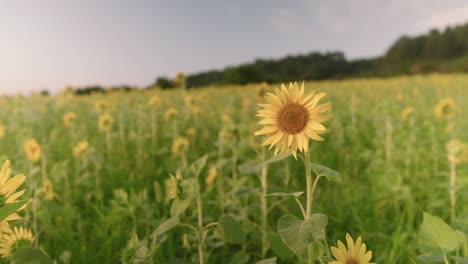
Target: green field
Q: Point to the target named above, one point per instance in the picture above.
(106, 205)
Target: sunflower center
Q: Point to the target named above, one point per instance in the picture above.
(352, 261)
(292, 118)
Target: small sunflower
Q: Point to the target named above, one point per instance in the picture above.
(179, 146)
(105, 122)
(355, 253)
(211, 177)
(407, 113)
(191, 132)
(20, 237)
(445, 108)
(290, 118)
(32, 149)
(80, 148)
(68, 118)
(457, 151)
(47, 190)
(180, 78)
(170, 113)
(154, 101)
(102, 105)
(2, 131)
(262, 89)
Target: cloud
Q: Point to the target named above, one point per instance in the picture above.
(442, 19)
(284, 20)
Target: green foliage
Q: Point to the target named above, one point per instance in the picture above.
(10, 208)
(299, 234)
(29, 255)
(231, 230)
(326, 172)
(438, 238)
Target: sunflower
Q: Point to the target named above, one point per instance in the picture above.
(180, 78)
(101, 105)
(47, 190)
(8, 186)
(290, 118)
(355, 253)
(457, 151)
(154, 101)
(407, 113)
(20, 237)
(179, 146)
(32, 150)
(170, 113)
(2, 131)
(445, 108)
(211, 177)
(105, 122)
(80, 148)
(68, 118)
(262, 89)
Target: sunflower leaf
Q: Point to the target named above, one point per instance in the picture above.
(231, 230)
(10, 208)
(179, 206)
(196, 167)
(165, 226)
(436, 237)
(326, 172)
(282, 194)
(254, 167)
(299, 234)
(30, 255)
(267, 261)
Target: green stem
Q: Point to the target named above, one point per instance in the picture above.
(201, 244)
(309, 193)
(452, 190)
(264, 207)
(309, 185)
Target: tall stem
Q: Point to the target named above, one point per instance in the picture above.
(309, 193)
(452, 190)
(264, 207)
(309, 185)
(201, 239)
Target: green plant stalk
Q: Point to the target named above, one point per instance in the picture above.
(264, 207)
(201, 240)
(309, 194)
(452, 190)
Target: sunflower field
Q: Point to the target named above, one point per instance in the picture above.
(361, 171)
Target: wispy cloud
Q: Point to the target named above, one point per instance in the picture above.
(444, 18)
(284, 20)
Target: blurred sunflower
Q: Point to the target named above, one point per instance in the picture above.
(191, 132)
(262, 89)
(170, 113)
(180, 78)
(290, 118)
(68, 118)
(105, 122)
(407, 113)
(154, 101)
(32, 149)
(211, 177)
(20, 237)
(179, 146)
(355, 253)
(47, 190)
(445, 108)
(8, 186)
(80, 148)
(101, 105)
(457, 151)
(2, 131)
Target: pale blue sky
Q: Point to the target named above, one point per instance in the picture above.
(52, 43)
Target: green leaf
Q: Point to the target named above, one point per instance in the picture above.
(436, 237)
(179, 206)
(326, 172)
(165, 226)
(30, 255)
(253, 167)
(281, 194)
(267, 261)
(231, 230)
(239, 258)
(460, 260)
(431, 258)
(277, 246)
(298, 234)
(196, 167)
(10, 208)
